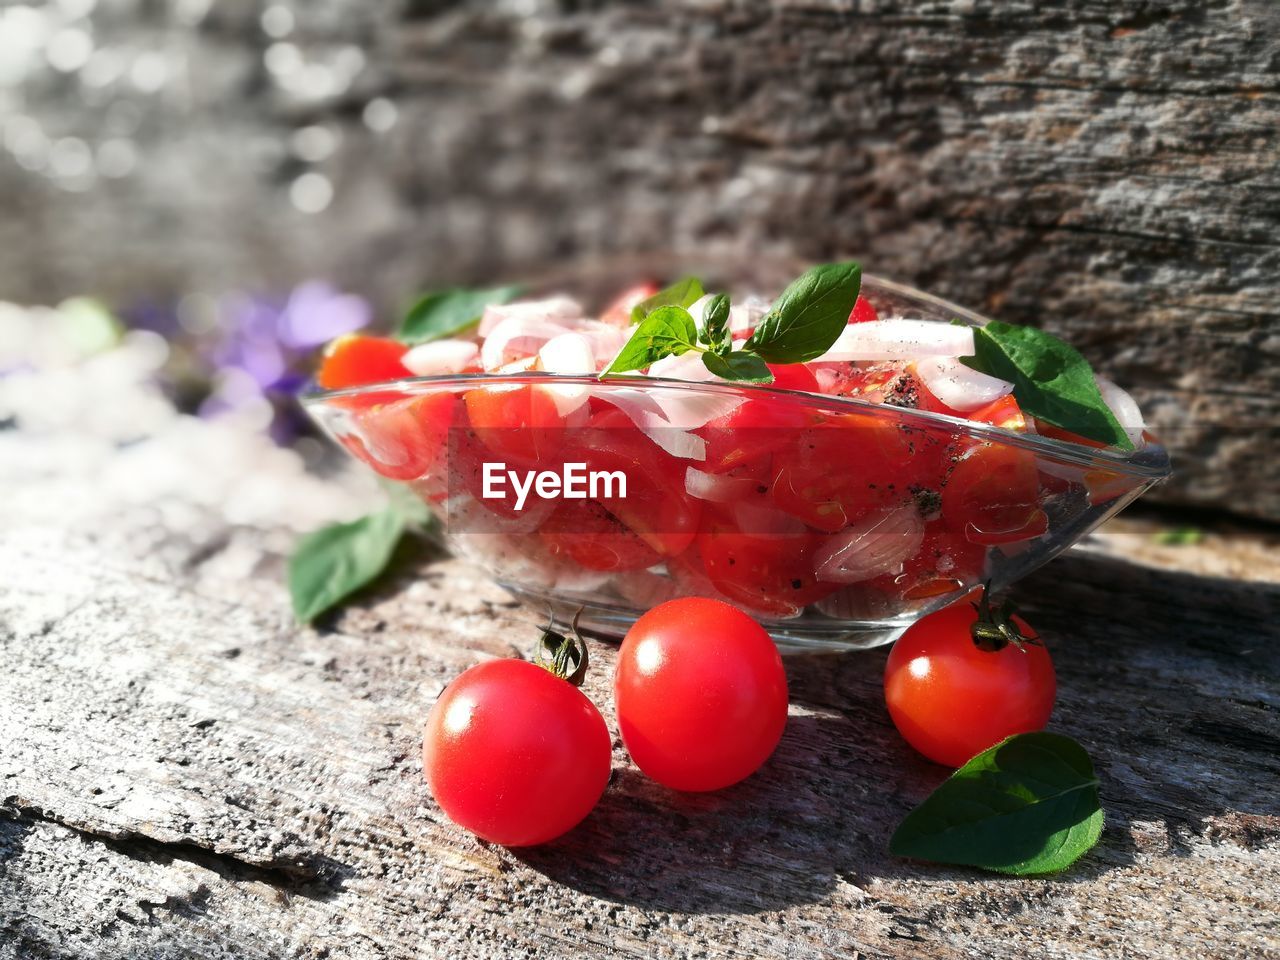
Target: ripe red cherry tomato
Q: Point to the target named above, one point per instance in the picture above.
(403, 439)
(515, 754)
(951, 699)
(863, 311)
(993, 496)
(701, 694)
(521, 424)
(354, 360)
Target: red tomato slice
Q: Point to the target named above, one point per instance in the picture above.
(752, 431)
(863, 311)
(618, 312)
(993, 496)
(521, 424)
(770, 574)
(354, 360)
(1004, 413)
(793, 376)
(589, 535)
(404, 439)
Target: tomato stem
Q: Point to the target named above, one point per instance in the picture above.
(995, 628)
(564, 655)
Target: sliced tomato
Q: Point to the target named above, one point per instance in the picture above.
(863, 311)
(586, 533)
(771, 574)
(354, 360)
(843, 468)
(992, 496)
(656, 506)
(946, 561)
(1004, 413)
(1049, 430)
(618, 312)
(753, 431)
(521, 424)
(404, 439)
(793, 376)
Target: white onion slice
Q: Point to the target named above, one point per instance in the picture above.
(606, 340)
(667, 416)
(441, 357)
(899, 339)
(687, 366)
(517, 337)
(960, 387)
(745, 316)
(878, 543)
(718, 487)
(1125, 409)
(562, 310)
(569, 354)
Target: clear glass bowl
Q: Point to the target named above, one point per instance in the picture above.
(836, 522)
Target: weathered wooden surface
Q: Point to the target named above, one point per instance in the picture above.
(185, 773)
(1109, 168)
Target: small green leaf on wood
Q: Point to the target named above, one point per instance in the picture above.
(1028, 805)
(330, 564)
(448, 313)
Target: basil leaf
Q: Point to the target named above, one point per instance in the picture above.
(808, 317)
(1051, 380)
(683, 293)
(330, 564)
(666, 331)
(740, 365)
(1027, 805)
(715, 324)
(448, 313)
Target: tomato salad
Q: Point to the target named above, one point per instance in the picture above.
(755, 493)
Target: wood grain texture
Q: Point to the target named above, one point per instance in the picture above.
(1106, 168)
(185, 773)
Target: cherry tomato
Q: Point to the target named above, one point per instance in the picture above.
(515, 754)
(755, 429)
(992, 495)
(863, 311)
(951, 699)
(701, 694)
(354, 360)
(518, 423)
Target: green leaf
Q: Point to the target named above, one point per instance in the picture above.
(1051, 380)
(329, 565)
(808, 317)
(715, 324)
(1028, 805)
(666, 331)
(739, 365)
(448, 313)
(1180, 537)
(683, 293)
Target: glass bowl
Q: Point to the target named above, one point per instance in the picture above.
(836, 522)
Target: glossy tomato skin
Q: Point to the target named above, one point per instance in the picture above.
(515, 754)
(992, 496)
(951, 700)
(701, 694)
(355, 360)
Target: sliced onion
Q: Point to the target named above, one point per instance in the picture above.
(859, 602)
(562, 310)
(899, 339)
(960, 387)
(699, 307)
(651, 418)
(878, 543)
(718, 487)
(1125, 409)
(517, 337)
(606, 340)
(441, 357)
(687, 366)
(569, 354)
(744, 316)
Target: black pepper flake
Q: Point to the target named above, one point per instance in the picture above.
(797, 584)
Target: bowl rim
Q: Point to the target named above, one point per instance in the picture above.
(1150, 462)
